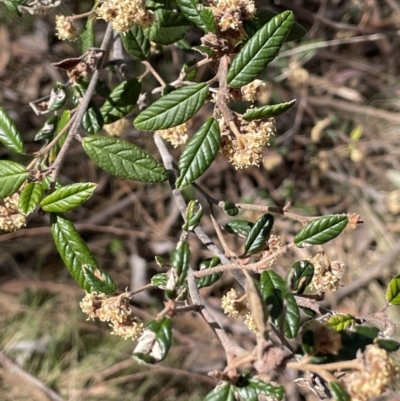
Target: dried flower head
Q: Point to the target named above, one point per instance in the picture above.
(246, 150)
(175, 135)
(327, 273)
(66, 29)
(254, 90)
(11, 219)
(117, 127)
(377, 372)
(274, 244)
(116, 311)
(122, 14)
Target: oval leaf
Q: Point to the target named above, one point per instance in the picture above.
(180, 261)
(393, 291)
(206, 281)
(241, 228)
(12, 176)
(121, 101)
(172, 109)
(340, 321)
(124, 159)
(98, 280)
(87, 37)
(199, 153)
(338, 392)
(136, 43)
(321, 230)
(155, 342)
(224, 392)
(92, 121)
(230, 209)
(250, 388)
(9, 134)
(259, 234)
(275, 292)
(261, 49)
(30, 197)
(301, 275)
(68, 198)
(267, 111)
(72, 249)
(201, 16)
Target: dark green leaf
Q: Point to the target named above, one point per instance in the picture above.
(224, 392)
(9, 134)
(206, 281)
(272, 110)
(321, 230)
(64, 120)
(204, 51)
(72, 249)
(230, 209)
(49, 129)
(92, 121)
(68, 197)
(87, 37)
(159, 280)
(276, 294)
(58, 97)
(301, 275)
(30, 197)
(393, 291)
(388, 345)
(199, 153)
(98, 280)
(261, 49)
(338, 392)
(124, 159)
(340, 321)
(12, 176)
(136, 43)
(155, 342)
(201, 16)
(194, 213)
(191, 75)
(121, 101)
(241, 228)
(180, 261)
(250, 388)
(168, 28)
(259, 234)
(173, 109)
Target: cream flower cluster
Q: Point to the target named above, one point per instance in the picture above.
(11, 219)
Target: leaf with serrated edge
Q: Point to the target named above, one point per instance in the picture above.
(260, 50)
(12, 176)
(173, 109)
(136, 43)
(272, 110)
(274, 292)
(72, 249)
(92, 120)
(257, 387)
(199, 153)
(393, 291)
(321, 230)
(30, 197)
(10, 137)
(68, 197)
(99, 280)
(203, 18)
(121, 101)
(339, 393)
(340, 321)
(87, 37)
(224, 392)
(124, 159)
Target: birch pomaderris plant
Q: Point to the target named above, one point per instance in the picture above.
(336, 355)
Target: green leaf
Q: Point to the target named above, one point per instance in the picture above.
(206, 281)
(72, 249)
(155, 342)
(98, 280)
(159, 280)
(230, 208)
(259, 234)
(393, 291)
(321, 230)
(204, 51)
(58, 97)
(124, 159)
(338, 392)
(64, 120)
(10, 137)
(242, 228)
(202, 17)
(136, 43)
(68, 198)
(388, 345)
(87, 37)
(173, 109)
(168, 28)
(92, 121)
(272, 110)
(12, 176)
(121, 101)
(301, 275)
(48, 130)
(194, 213)
(12, 5)
(275, 293)
(259, 50)
(199, 153)
(30, 197)
(340, 321)
(250, 388)
(224, 392)
(180, 261)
